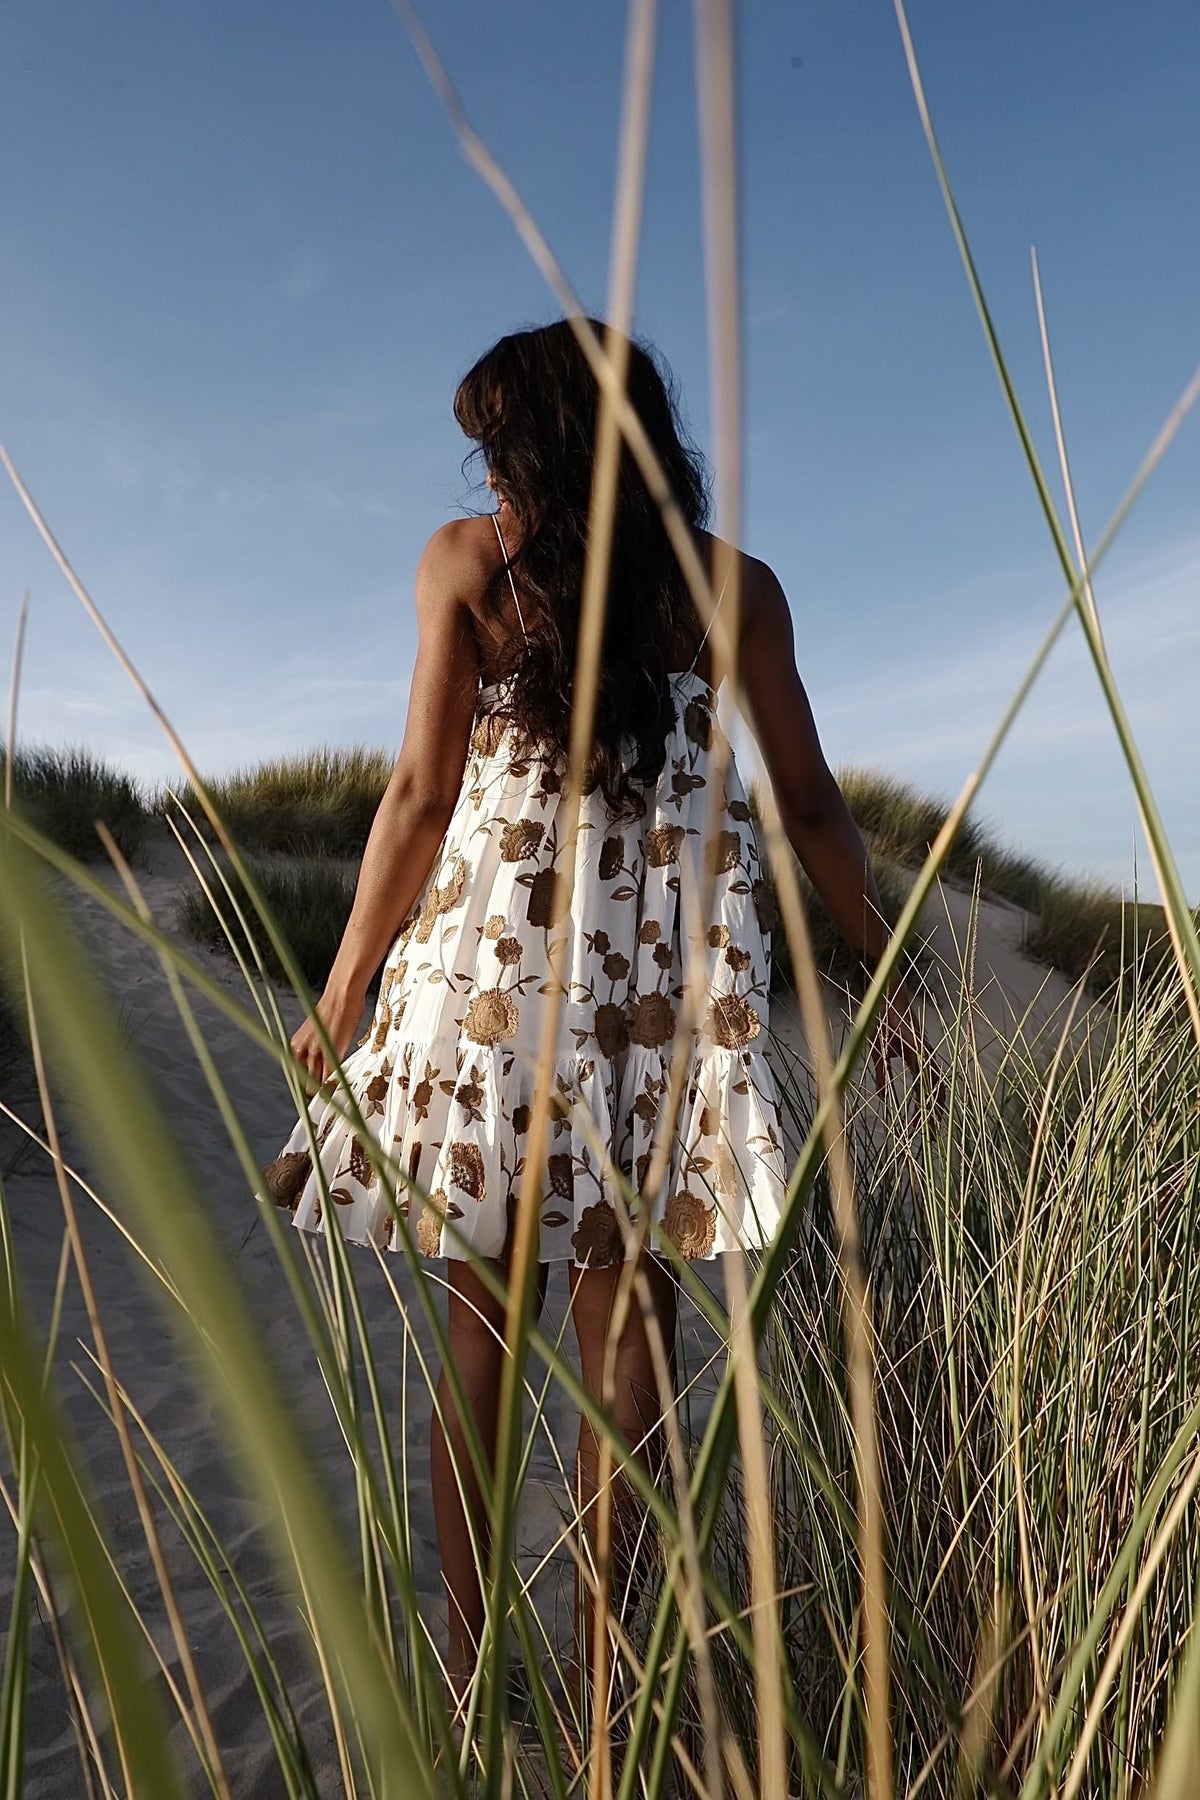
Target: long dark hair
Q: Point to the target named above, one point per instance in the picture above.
(530, 404)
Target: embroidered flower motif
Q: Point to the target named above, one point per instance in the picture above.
(765, 906)
(488, 734)
(361, 1167)
(422, 1094)
(441, 899)
(508, 951)
(601, 943)
(558, 1171)
(495, 926)
(466, 1169)
(690, 1225)
(612, 855)
(377, 1089)
(469, 1094)
(520, 1119)
(725, 1169)
(725, 852)
(732, 1021)
(284, 1178)
(662, 845)
(738, 959)
(429, 1225)
(697, 723)
(611, 1029)
(664, 955)
(520, 839)
(646, 1107)
(737, 809)
(545, 908)
(653, 1021)
(718, 936)
(616, 966)
(649, 932)
(596, 1239)
(492, 1017)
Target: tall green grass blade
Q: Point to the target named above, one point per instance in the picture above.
(137, 1720)
(14, 1693)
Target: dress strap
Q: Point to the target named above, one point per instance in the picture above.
(709, 626)
(508, 571)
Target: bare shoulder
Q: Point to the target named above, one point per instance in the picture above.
(760, 593)
(461, 558)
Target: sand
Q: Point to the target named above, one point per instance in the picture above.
(147, 1360)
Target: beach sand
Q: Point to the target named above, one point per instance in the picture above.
(160, 1382)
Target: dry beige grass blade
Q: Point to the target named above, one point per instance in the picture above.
(1132, 1618)
(764, 1582)
(14, 689)
(717, 108)
(1033, 1602)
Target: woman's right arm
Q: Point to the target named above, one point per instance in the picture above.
(813, 811)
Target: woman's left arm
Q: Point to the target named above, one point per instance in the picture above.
(420, 796)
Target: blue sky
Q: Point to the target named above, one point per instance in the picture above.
(246, 266)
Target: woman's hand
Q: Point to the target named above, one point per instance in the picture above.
(340, 1010)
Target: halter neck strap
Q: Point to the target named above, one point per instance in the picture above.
(711, 622)
(508, 571)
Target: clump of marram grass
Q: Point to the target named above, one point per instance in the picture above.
(902, 822)
(310, 898)
(315, 802)
(1028, 1238)
(1095, 933)
(64, 791)
(1080, 928)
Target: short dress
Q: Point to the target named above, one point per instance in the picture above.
(445, 1075)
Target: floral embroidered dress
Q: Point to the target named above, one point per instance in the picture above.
(445, 1075)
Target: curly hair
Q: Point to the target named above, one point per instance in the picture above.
(530, 404)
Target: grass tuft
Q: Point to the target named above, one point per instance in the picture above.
(311, 899)
(64, 791)
(316, 802)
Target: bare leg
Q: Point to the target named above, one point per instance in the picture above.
(636, 1407)
(476, 1333)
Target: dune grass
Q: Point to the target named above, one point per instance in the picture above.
(65, 790)
(313, 803)
(1038, 1369)
(1028, 1229)
(1081, 928)
(311, 898)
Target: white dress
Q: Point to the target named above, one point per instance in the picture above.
(445, 1074)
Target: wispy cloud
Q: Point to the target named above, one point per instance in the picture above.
(1060, 788)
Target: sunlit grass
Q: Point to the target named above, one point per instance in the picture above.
(312, 803)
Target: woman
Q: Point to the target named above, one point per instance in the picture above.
(457, 889)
